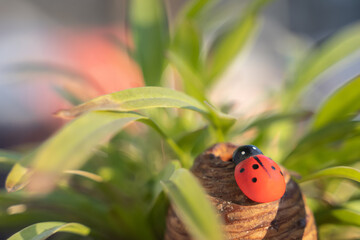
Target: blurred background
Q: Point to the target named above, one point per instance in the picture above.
(80, 46)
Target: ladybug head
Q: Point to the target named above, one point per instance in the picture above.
(244, 152)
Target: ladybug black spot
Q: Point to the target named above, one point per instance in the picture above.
(242, 170)
(255, 166)
(273, 168)
(281, 173)
(301, 223)
(254, 180)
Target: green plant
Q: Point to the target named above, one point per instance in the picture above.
(124, 185)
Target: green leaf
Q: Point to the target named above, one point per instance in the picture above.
(192, 206)
(193, 82)
(9, 157)
(150, 32)
(342, 105)
(135, 99)
(89, 175)
(346, 216)
(340, 172)
(194, 8)
(67, 95)
(221, 120)
(196, 141)
(331, 145)
(17, 178)
(71, 146)
(186, 42)
(147, 98)
(268, 119)
(184, 157)
(40, 231)
(234, 40)
(331, 52)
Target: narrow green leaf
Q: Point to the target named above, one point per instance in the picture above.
(135, 99)
(196, 141)
(352, 205)
(192, 206)
(184, 157)
(193, 82)
(333, 51)
(186, 42)
(164, 175)
(40, 231)
(268, 119)
(9, 157)
(72, 145)
(150, 32)
(346, 216)
(234, 40)
(340, 172)
(147, 98)
(67, 95)
(85, 174)
(222, 120)
(331, 145)
(194, 8)
(17, 178)
(343, 104)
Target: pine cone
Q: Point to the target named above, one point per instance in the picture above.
(287, 218)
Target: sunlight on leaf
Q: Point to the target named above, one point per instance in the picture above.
(192, 206)
(41, 231)
(17, 178)
(135, 99)
(147, 98)
(85, 174)
(339, 172)
(71, 146)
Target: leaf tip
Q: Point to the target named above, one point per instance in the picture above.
(64, 114)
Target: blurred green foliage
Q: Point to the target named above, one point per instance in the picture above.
(126, 184)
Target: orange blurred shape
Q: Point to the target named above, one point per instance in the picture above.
(100, 56)
(85, 62)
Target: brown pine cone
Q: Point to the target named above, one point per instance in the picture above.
(287, 218)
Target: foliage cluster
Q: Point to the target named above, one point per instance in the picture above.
(112, 191)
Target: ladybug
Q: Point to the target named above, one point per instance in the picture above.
(258, 176)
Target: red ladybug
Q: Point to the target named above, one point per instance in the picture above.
(258, 177)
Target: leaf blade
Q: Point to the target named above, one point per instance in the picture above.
(150, 32)
(135, 99)
(70, 147)
(343, 104)
(40, 231)
(346, 216)
(234, 40)
(9, 157)
(333, 51)
(192, 206)
(340, 171)
(324, 147)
